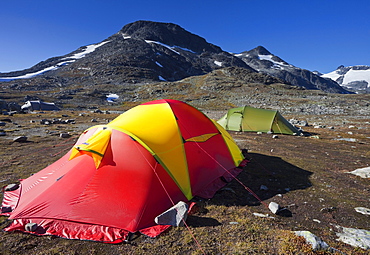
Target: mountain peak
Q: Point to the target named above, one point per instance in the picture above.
(260, 50)
(169, 34)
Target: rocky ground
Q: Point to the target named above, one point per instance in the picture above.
(307, 175)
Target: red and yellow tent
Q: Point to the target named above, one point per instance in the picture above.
(118, 177)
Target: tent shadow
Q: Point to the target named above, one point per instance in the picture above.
(197, 221)
(266, 176)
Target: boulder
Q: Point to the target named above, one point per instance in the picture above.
(175, 216)
(362, 172)
(31, 227)
(316, 242)
(354, 237)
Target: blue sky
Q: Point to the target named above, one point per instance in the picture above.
(311, 34)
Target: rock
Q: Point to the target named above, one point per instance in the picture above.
(65, 135)
(45, 122)
(20, 139)
(94, 120)
(233, 223)
(362, 172)
(175, 216)
(263, 187)
(302, 123)
(13, 106)
(275, 136)
(274, 207)
(31, 227)
(363, 210)
(353, 140)
(328, 209)
(354, 237)
(316, 242)
(11, 187)
(263, 215)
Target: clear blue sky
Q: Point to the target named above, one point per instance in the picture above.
(311, 34)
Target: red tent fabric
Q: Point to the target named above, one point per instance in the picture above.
(118, 177)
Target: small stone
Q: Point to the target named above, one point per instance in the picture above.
(11, 187)
(328, 209)
(20, 139)
(363, 210)
(233, 223)
(263, 215)
(275, 136)
(263, 187)
(31, 227)
(65, 135)
(274, 207)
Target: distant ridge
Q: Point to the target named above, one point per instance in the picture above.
(353, 78)
(263, 61)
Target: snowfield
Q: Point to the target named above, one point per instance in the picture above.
(68, 60)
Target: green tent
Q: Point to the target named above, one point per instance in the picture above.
(256, 120)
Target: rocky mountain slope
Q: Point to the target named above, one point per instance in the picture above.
(354, 78)
(147, 52)
(142, 51)
(263, 61)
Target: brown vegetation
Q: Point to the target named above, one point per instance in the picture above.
(306, 174)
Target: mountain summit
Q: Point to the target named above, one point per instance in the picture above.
(169, 34)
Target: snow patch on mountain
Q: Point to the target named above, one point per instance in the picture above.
(218, 63)
(87, 50)
(357, 75)
(277, 64)
(172, 48)
(68, 60)
(353, 77)
(30, 75)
